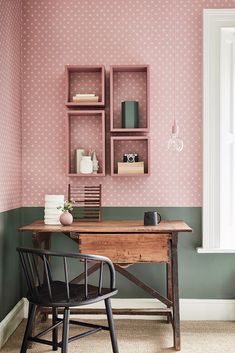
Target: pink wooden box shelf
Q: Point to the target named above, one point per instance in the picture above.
(85, 79)
(129, 82)
(130, 144)
(85, 129)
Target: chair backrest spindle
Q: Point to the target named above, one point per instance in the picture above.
(66, 277)
(86, 279)
(36, 270)
(101, 277)
(47, 276)
(32, 273)
(29, 284)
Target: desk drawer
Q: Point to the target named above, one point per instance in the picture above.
(127, 248)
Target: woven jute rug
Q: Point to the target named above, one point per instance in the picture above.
(143, 336)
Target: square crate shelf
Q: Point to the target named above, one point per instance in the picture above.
(130, 144)
(85, 79)
(85, 129)
(129, 82)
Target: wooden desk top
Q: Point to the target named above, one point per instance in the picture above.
(111, 226)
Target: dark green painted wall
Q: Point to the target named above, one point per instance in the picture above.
(201, 275)
(10, 274)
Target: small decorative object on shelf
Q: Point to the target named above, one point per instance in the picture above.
(131, 168)
(130, 114)
(86, 165)
(130, 157)
(78, 157)
(66, 217)
(131, 164)
(175, 143)
(87, 202)
(52, 213)
(95, 163)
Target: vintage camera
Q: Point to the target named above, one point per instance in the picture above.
(130, 157)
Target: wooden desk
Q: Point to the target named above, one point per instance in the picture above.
(126, 243)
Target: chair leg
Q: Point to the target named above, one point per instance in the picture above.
(55, 330)
(29, 326)
(65, 334)
(111, 325)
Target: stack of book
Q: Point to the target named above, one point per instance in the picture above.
(131, 168)
(85, 97)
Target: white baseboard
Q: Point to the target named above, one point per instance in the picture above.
(12, 321)
(190, 309)
(207, 309)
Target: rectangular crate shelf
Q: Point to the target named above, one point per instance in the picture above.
(85, 129)
(85, 79)
(129, 82)
(130, 144)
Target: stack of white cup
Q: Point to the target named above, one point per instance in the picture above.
(51, 212)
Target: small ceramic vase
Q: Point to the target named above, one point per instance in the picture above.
(66, 218)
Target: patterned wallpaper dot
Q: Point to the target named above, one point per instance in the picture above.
(167, 35)
(10, 105)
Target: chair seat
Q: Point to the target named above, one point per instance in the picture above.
(76, 291)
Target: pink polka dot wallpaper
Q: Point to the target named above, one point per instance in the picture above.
(167, 35)
(10, 105)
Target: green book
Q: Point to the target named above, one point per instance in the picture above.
(130, 114)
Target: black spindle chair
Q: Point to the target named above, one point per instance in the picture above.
(44, 290)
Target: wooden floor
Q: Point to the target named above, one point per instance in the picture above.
(142, 336)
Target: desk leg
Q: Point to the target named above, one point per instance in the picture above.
(39, 238)
(169, 289)
(175, 289)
